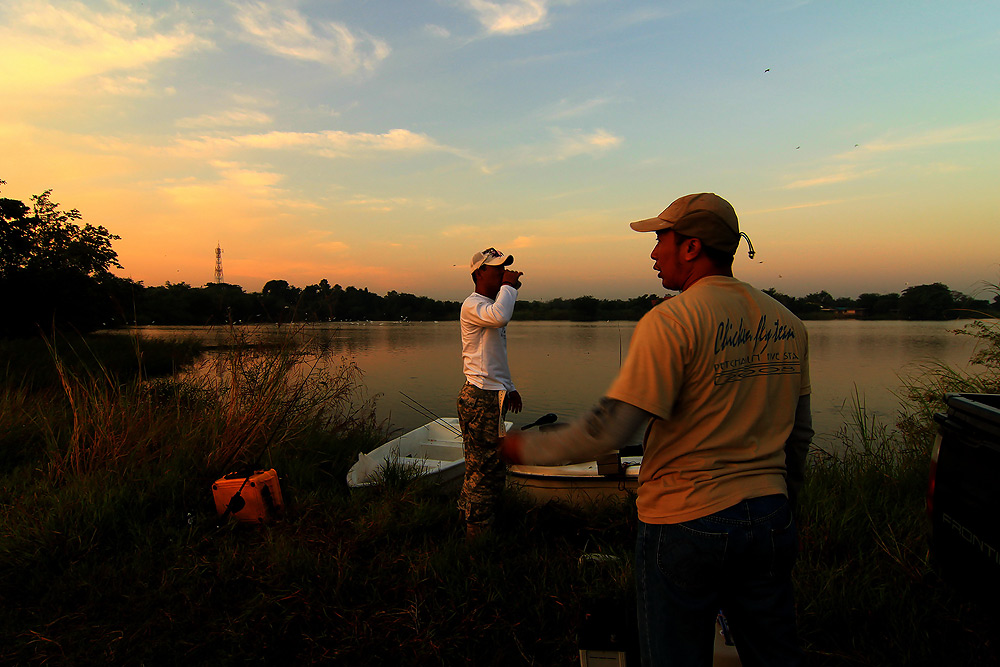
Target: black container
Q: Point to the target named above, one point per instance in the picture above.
(963, 497)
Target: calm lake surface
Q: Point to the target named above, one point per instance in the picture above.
(564, 367)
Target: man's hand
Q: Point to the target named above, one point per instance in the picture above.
(514, 401)
(512, 278)
(510, 448)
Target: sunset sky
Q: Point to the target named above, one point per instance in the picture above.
(380, 143)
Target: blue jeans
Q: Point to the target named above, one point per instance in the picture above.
(738, 560)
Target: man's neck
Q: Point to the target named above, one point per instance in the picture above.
(708, 271)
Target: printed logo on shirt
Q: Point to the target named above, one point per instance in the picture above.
(759, 362)
(754, 366)
(729, 335)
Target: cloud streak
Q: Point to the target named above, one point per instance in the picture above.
(840, 176)
(286, 32)
(511, 17)
(944, 136)
(384, 204)
(43, 46)
(330, 143)
(230, 118)
(565, 109)
(573, 145)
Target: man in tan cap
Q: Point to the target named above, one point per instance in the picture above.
(719, 376)
(488, 391)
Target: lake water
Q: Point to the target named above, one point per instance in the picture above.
(564, 367)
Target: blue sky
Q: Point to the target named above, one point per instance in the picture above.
(380, 144)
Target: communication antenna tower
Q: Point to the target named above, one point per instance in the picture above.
(218, 263)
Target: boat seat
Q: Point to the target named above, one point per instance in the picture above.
(439, 452)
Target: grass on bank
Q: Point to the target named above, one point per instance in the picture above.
(111, 552)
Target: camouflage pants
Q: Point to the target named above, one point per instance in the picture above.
(485, 473)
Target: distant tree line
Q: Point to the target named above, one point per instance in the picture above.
(920, 302)
(56, 272)
(278, 301)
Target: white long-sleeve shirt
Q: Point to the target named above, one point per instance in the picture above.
(484, 339)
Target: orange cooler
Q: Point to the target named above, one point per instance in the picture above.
(261, 495)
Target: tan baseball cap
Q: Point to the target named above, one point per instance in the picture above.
(705, 216)
(490, 257)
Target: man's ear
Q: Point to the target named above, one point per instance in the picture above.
(691, 248)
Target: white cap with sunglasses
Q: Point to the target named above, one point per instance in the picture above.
(490, 257)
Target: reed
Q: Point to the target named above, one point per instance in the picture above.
(265, 397)
(228, 411)
(863, 548)
(924, 386)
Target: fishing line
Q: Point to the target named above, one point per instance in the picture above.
(416, 406)
(619, 345)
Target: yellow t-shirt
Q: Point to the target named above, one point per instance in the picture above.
(721, 366)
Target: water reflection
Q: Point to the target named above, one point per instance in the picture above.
(564, 367)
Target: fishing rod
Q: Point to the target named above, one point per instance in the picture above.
(416, 406)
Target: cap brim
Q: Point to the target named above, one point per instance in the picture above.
(651, 225)
(509, 259)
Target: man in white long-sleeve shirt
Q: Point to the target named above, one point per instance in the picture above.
(489, 390)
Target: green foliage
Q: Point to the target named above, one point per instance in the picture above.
(586, 309)
(878, 305)
(926, 302)
(54, 271)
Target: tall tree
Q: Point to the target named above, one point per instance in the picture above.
(53, 270)
(927, 302)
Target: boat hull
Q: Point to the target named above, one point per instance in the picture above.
(432, 452)
(576, 484)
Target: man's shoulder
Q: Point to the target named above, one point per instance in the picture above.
(708, 295)
(474, 299)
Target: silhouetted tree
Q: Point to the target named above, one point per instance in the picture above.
(280, 300)
(878, 305)
(927, 302)
(53, 270)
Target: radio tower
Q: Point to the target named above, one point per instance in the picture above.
(218, 263)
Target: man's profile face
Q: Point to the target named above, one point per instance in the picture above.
(488, 280)
(666, 260)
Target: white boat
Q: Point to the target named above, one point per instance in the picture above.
(578, 483)
(434, 451)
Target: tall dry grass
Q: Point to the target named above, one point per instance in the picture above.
(232, 409)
